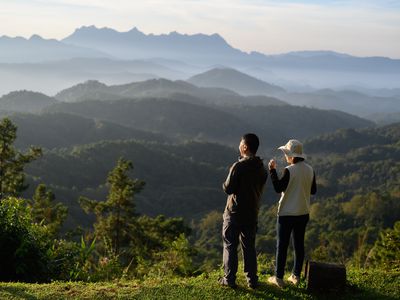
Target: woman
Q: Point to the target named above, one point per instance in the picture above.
(296, 186)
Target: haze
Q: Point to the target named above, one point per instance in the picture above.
(360, 28)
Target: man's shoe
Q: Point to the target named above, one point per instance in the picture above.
(222, 281)
(276, 281)
(293, 279)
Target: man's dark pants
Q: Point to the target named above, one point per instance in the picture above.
(285, 226)
(234, 232)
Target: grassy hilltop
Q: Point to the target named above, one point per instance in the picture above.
(371, 284)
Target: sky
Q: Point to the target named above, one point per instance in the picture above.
(356, 27)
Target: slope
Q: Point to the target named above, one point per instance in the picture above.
(236, 81)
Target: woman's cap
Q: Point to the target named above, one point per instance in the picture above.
(293, 148)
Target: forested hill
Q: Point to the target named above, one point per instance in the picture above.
(355, 161)
(184, 120)
(349, 139)
(181, 179)
(161, 88)
(25, 101)
(184, 179)
(59, 130)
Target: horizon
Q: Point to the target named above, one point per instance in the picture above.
(358, 28)
(172, 32)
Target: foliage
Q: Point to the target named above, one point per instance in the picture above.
(12, 162)
(45, 211)
(175, 259)
(208, 241)
(24, 245)
(386, 250)
(116, 217)
(189, 174)
(184, 117)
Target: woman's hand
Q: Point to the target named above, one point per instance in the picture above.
(272, 164)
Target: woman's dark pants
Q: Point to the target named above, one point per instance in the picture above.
(286, 225)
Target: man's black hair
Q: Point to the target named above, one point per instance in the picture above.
(251, 141)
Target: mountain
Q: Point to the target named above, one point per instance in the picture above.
(161, 88)
(176, 119)
(25, 101)
(37, 49)
(347, 140)
(385, 118)
(182, 56)
(181, 179)
(134, 44)
(236, 81)
(334, 61)
(60, 130)
(346, 100)
(213, 49)
(350, 162)
(222, 124)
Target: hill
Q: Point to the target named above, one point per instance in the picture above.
(25, 101)
(357, 161)
(175, 119)
(59, 130)
(188, 174)
(346, 100)
(346, 140)
(236, 81)
(160, 88)
(368, 284)
(186, 120)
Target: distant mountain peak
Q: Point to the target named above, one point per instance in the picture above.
(135, 31)
(234, 80)
(22, 93)
(36, 37)
(313, 53)
(25, 101)
(93, 83)
(87, 30)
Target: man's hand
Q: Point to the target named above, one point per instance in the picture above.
(272, 164)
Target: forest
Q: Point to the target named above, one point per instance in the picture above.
(112, 229)
(108, 183)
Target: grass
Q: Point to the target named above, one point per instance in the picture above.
(361, 285)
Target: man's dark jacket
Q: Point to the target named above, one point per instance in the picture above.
(244, 186)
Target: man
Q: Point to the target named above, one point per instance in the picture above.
(244, 186)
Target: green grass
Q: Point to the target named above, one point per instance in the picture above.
(361, 285)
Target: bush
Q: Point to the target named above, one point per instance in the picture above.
(386, 252)
(24, 245)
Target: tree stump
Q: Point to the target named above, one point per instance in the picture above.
(324, 276)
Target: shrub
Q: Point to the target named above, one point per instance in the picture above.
(24, 245)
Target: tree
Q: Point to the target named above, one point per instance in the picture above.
(116, 218)
(386, 251)
(45, 211)
(12, 162)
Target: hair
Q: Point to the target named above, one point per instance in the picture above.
(297, 159)
(251, 141)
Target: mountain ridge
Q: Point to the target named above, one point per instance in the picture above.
(237, 81)
(25, 101)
